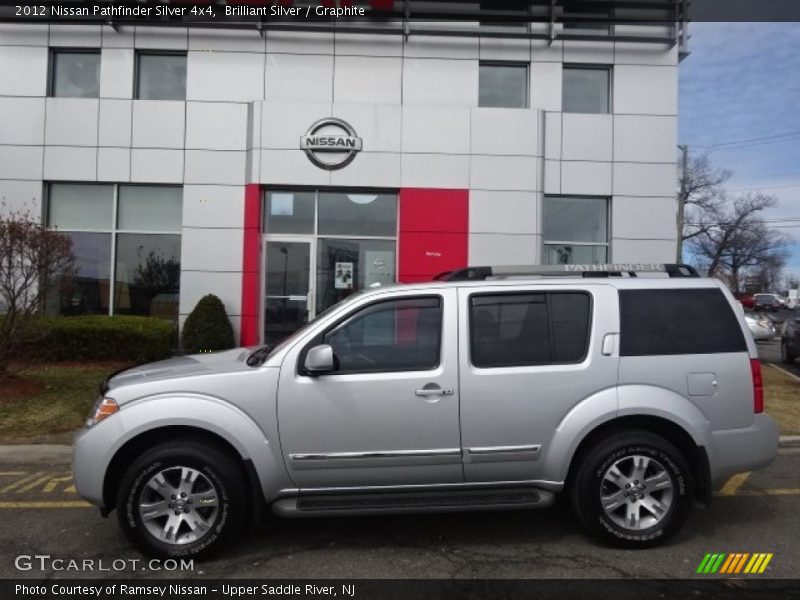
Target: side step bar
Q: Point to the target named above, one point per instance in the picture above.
(406, 502)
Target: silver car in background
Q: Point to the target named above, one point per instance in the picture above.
(491, 388)
(762, 328)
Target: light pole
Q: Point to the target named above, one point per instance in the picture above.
(682, 200)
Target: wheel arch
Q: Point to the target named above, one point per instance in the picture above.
(141, 442)
(695, 455)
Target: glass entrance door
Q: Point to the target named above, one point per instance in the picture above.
(289, 299)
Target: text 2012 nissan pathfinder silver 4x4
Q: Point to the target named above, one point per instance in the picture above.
(491, 388)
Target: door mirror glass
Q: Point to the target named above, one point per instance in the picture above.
(320, 360)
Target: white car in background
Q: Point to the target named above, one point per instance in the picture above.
(761, 327)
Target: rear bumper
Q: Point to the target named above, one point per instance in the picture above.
(732, 451)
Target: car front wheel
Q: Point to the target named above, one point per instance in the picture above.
(632, 489)
(182, 499)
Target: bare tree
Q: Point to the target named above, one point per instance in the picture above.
(702, 194)
(739, 240)
(33, 261)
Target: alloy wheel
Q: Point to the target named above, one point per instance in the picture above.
(636, 492)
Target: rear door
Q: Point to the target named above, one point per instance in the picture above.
(529, 356)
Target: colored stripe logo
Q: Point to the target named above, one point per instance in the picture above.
(734, 563)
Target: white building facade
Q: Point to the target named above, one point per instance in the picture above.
(183, 160)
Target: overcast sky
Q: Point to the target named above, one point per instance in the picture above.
(740, 102)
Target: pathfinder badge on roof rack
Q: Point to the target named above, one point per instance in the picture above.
(331, 143)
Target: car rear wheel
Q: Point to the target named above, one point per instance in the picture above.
(632, 489)
(787, 355)
(182, 499)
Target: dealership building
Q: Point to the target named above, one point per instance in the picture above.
(283, 165)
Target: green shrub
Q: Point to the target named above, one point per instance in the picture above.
(207, 327)
(96, 337)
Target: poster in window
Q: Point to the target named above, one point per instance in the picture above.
(343, 279)
(380, 267)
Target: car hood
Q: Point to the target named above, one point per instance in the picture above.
(214, 363)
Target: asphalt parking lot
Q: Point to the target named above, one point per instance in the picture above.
(753, 513)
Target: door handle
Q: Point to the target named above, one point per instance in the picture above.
(434, 391)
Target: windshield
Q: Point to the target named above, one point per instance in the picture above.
(266, 351)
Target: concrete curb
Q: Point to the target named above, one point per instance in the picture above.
(61, 454)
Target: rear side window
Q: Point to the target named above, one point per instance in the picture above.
(524, 329)
(663, 322)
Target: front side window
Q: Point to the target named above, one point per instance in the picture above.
(75, 74)
(160, 76)
(126, 242)
(394, 335)
(503, 85)
(575, 230)
(587, 89)
(528, 329)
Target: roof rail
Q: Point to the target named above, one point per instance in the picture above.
(599, 270)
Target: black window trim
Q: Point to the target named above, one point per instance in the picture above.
(608, 68)
(547, 293)
(157, 52)
(508, 63)
(357, 311)
(51, 67)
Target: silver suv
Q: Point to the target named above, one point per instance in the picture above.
(633, 389)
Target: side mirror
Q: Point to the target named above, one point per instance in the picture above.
(320, 360)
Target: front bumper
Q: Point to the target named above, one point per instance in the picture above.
(736, 450)
(92, 451)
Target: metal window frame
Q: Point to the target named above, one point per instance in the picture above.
(51, 67)
(114, 229)
(609, 69)
(507, 63)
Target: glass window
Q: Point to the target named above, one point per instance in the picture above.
(373, 215)
(289, 212)
(586, 89)
(75, 74)
(161, 76)
(88, 292)
(345, 266)
(503, 85)
(575, 230)
(512, 330)
(663, 322)
(396, 335)
(150, 208)
(78, 206)
(147, 275)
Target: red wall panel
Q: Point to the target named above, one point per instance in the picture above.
(251, 266)
(433, 232)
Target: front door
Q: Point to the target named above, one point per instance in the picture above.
(289, 299)
(388, 415)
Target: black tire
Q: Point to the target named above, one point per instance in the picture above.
(787, 355)
(221, 473)
(588, 486)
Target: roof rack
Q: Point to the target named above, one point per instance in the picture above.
(599, 270)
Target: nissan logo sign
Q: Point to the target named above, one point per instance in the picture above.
(331, 143)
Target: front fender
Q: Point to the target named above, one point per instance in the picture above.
(95, 447)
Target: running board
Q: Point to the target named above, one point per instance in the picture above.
(407, 502)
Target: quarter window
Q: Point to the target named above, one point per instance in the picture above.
(395, 335)
(503, 85)
(575, 230)
(160, 76)
(75, 74)
(526, 329)
(690, 321)
(587, 89)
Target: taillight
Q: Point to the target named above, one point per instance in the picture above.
(758, 386)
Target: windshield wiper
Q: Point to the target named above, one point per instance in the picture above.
(258, 357)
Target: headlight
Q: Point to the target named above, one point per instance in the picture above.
(103, 407)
